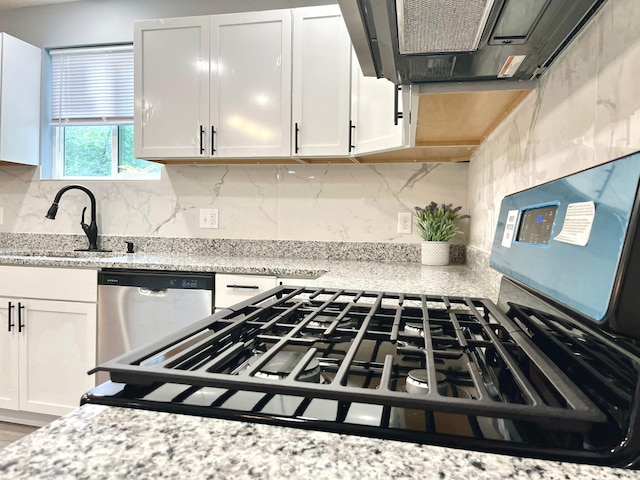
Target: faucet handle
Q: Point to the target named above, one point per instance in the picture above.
(86, 229)
(82, 219)
(129, 247)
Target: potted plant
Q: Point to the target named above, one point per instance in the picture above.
(437, 225)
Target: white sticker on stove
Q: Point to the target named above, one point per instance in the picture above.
(577, 223)
(509, 228)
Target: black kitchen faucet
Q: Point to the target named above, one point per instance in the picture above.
(91, 230)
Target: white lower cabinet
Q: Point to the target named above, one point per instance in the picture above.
(46, 346)
(232, 288)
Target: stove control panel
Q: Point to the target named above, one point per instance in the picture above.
(566, 238)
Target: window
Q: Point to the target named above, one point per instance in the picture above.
(92, 114)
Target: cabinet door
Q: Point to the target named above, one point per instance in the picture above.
(20, 104)
(57, 348)
(321, 82)
(8, 355)
(251, 84)
(171, 83)
(372, 112)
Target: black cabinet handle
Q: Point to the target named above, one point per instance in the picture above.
(396, 114)
(213, 136)
(201, 139)
(296, 149)
(248, 287)
(10, 308)
(352, 129)
(20, 324)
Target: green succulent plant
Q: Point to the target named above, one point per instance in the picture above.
(438, 223)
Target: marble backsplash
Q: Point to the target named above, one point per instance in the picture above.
(370, 251)
(325, 203)
(585, 111)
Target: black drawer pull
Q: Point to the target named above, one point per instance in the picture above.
(352, 129)
(10, 308)
(20, 324)
(201, 139)
(396, 114)
(248, 287)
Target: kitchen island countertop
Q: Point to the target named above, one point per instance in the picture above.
(98, 442)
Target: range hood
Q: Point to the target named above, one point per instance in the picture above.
(428, 41)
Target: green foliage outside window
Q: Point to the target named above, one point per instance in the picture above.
(88, 152)
(127, 162)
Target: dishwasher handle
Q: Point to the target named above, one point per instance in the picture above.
(153, 292)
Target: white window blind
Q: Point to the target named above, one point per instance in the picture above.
(92, 86)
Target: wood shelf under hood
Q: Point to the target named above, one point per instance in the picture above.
(451, 126)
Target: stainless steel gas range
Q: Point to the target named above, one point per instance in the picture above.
(551, 371)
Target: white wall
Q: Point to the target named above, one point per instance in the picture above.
(94, 22)
(586, 111)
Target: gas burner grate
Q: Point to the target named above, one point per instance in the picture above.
(366, 344)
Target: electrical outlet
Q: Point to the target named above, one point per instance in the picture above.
(208, 218)
(404, 222)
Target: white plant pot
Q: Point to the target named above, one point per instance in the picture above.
(435, 253)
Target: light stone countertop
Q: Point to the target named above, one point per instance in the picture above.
(408, 277)
(98, 442)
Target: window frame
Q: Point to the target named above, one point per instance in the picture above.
(57, 126)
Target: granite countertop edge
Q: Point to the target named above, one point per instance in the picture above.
(101, 442)
(409, 277)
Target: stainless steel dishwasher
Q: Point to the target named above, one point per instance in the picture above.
(135, 308)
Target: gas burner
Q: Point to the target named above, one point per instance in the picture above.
(324, 321)
(417, 329)
(417, 382)
(282, 365)
(317, 329)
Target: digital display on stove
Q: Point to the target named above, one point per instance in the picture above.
(535, 225)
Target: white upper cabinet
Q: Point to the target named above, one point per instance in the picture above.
(20, 65)
(213, 86)
(374, 112)
(270, 84)
(251, 84)
(321, 82)
(171, 83)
